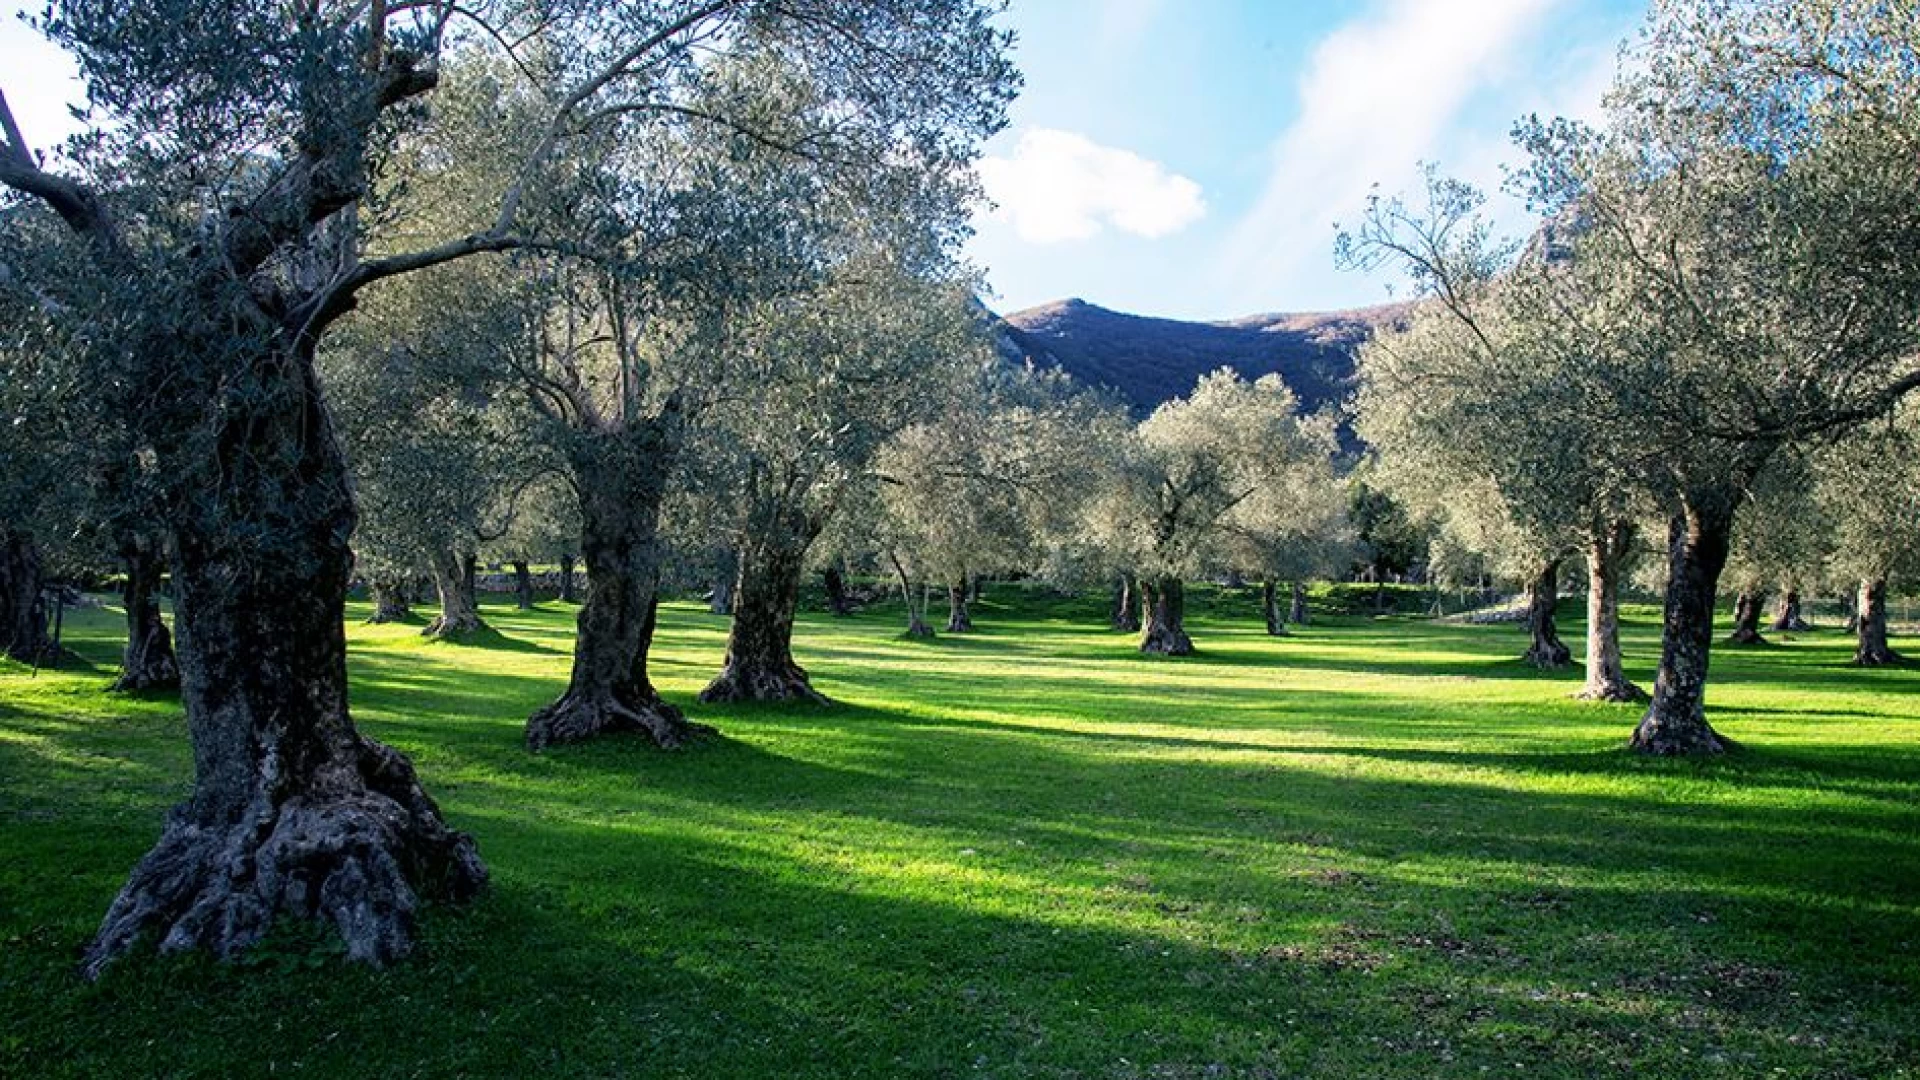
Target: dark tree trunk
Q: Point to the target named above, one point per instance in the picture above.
(1873, 650)
(459, 612)
(1676, 720)
(1126, 610)
(523, 584)
(976, 585)
(621, 478)
(1164, 604)
(149, 662)
(1270, 608)
(1787, 617)
(470, 581)
(1746, 619)
(23, 611)
(759, 662)
(388, 590)
(959, 618)
(726, 573)
(1298, 615)
(1606, 558)
(569, 592)
(836, 585)
(293, 811)
(1546, 650)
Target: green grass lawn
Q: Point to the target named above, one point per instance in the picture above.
(1374, 848)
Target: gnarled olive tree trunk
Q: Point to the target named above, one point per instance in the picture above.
(1787, 616)
(1298, 614)
(1164, 610)
(523, 584)
(148, 662)
(835, 584)
(759, 662)
(1746, 619)
(726, 574)
(621, 477)
(569, 592)
(959, 615)
(293, 811)
(1698, 539)
(1126, 611)
(1545, 649)
(1607, 550)
(388, 589)
(23, 612)
(1872, 649)
(459, 605)
(1270, 608)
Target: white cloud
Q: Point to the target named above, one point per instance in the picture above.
(1380, 94)
(1059, 185)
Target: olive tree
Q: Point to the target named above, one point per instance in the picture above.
(230, 197)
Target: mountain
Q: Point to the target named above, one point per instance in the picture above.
(1147, 361)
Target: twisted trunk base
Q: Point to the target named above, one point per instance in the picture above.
(1607, 551)
(1675, 722)
(569, 593)
(1165, 602)
(1270, 608)
(1871, 648)
(523, 584)
(759, 662)
(1546, 651)
(835, 584)
(959, 617)
(1787, 617)
(23, 611)
(1746, 620)
(389, 595)
(1126, 613)
(148, 664)
(459, 608)
(359, 851)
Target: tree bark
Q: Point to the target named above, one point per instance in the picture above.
(1676, 720)
(523, 584)
(1299, 613)
(621, 478)
(1165, 613)
(959, 617)
(23, 611)
(759, 662)
(1126, 614)
(569, 593)
(836, 585)
(916, 611)
(1270, 608)
(976, 585)
(1746, 619)
(459, 612)
(388, 590)
(1607, 680)
(1787, 616)
(148, 662)
(293, 811)
(1872, 649)
(1546, 650)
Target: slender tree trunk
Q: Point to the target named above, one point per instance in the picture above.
(23, 611)
(293, 811)
(1606, 557)
(1872, 649)
(1787, 616)
(835, 584)
(569, 591)
(388, 591)
(470, 581)
(759, 664)
(1126, 611)
(459, 612)
(959, 618)
(1746, 619)
(726, 573)
(148, 662)
(621, 478)
(1299, 614)
(1270, 608)
(1165, 614)
(916, 611)
(523, 584)
(976, 585)
(1546, 650)
(1676, 719)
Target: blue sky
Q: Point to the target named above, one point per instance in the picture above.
(1190, 158)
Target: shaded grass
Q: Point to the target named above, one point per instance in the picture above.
(1374, 848)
